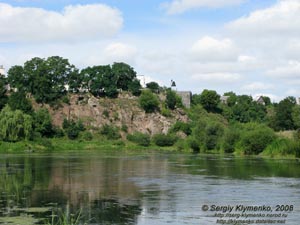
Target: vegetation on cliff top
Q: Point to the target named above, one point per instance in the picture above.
(238, 125)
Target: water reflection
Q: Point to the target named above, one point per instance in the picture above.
(139, 189)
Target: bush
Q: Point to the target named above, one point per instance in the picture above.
(164, 139)
(73, 128)
(139, 138)
(112, 133)
(181, 126)
(255, 141)
(87, 136)
(231, 137)
(171, 99)
(194, 145)
(149, 101)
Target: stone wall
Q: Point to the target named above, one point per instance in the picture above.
(186, 97)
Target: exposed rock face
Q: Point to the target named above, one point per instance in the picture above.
(124, 110)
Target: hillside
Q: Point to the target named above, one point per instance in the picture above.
(122, 111)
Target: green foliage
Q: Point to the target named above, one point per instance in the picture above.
(111, 132)
(87, 136)
(283, 114)
(73, 128)
(135, 87)
(164, 139)
(45, 79)
(153, 86)
(124, 74)
(124, 128)
(283, 146)
(231, 137)
(43, 123)
(139, 138)
(3, 96)
(171, 99)
(255, 138)
(243, 109)
(18, 100)
(149, 101)
(165, 112)
(181, 126)
(15, 125)
(105, 113)
(296, 116)
(65, 99)
(209, 100)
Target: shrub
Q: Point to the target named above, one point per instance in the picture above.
(214, 132)
(124, 128)
(149, 101)
(111, 132)
(194, 145)
(139, 138)
(164, 139)
(255, 141)
(231, 137)
(87, 136)
(171, 99)
(181, 126)
(73, 128)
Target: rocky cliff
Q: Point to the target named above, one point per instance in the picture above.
(122, 111)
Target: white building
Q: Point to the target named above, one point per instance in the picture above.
(2, 70)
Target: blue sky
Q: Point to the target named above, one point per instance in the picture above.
(246, 46)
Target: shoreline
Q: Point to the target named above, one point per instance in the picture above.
(59, 145)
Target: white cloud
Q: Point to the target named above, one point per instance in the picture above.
(73, 23)
(257, 86)
(217, 77)
(119, 52)
(181, 6)
(289, 71)
(280, 20)
(210, 49)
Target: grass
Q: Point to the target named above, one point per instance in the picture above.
(63, 218)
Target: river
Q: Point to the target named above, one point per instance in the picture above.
(148, 189)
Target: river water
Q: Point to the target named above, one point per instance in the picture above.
(148, 189)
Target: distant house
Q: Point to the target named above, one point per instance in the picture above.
(298, 101)
(224, 99)
(260, 100)
(2, 70)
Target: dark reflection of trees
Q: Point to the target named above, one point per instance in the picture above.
(18, 177)
(112, 211)
(241, 168)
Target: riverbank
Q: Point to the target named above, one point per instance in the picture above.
(64, 145)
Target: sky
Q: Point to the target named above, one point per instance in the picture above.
(246, 46)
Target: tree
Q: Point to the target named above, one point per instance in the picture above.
(43, 123)
(17, 79)
(135, 87)
(283, 114)
(153, 86)
(171, 99)
(296, 116)
(124, 75)
(14, 125)
(232, 98)
(149, 101)
(100, 80)
(209, 100)
(45, 79)
(18, 101)
(3, 96)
